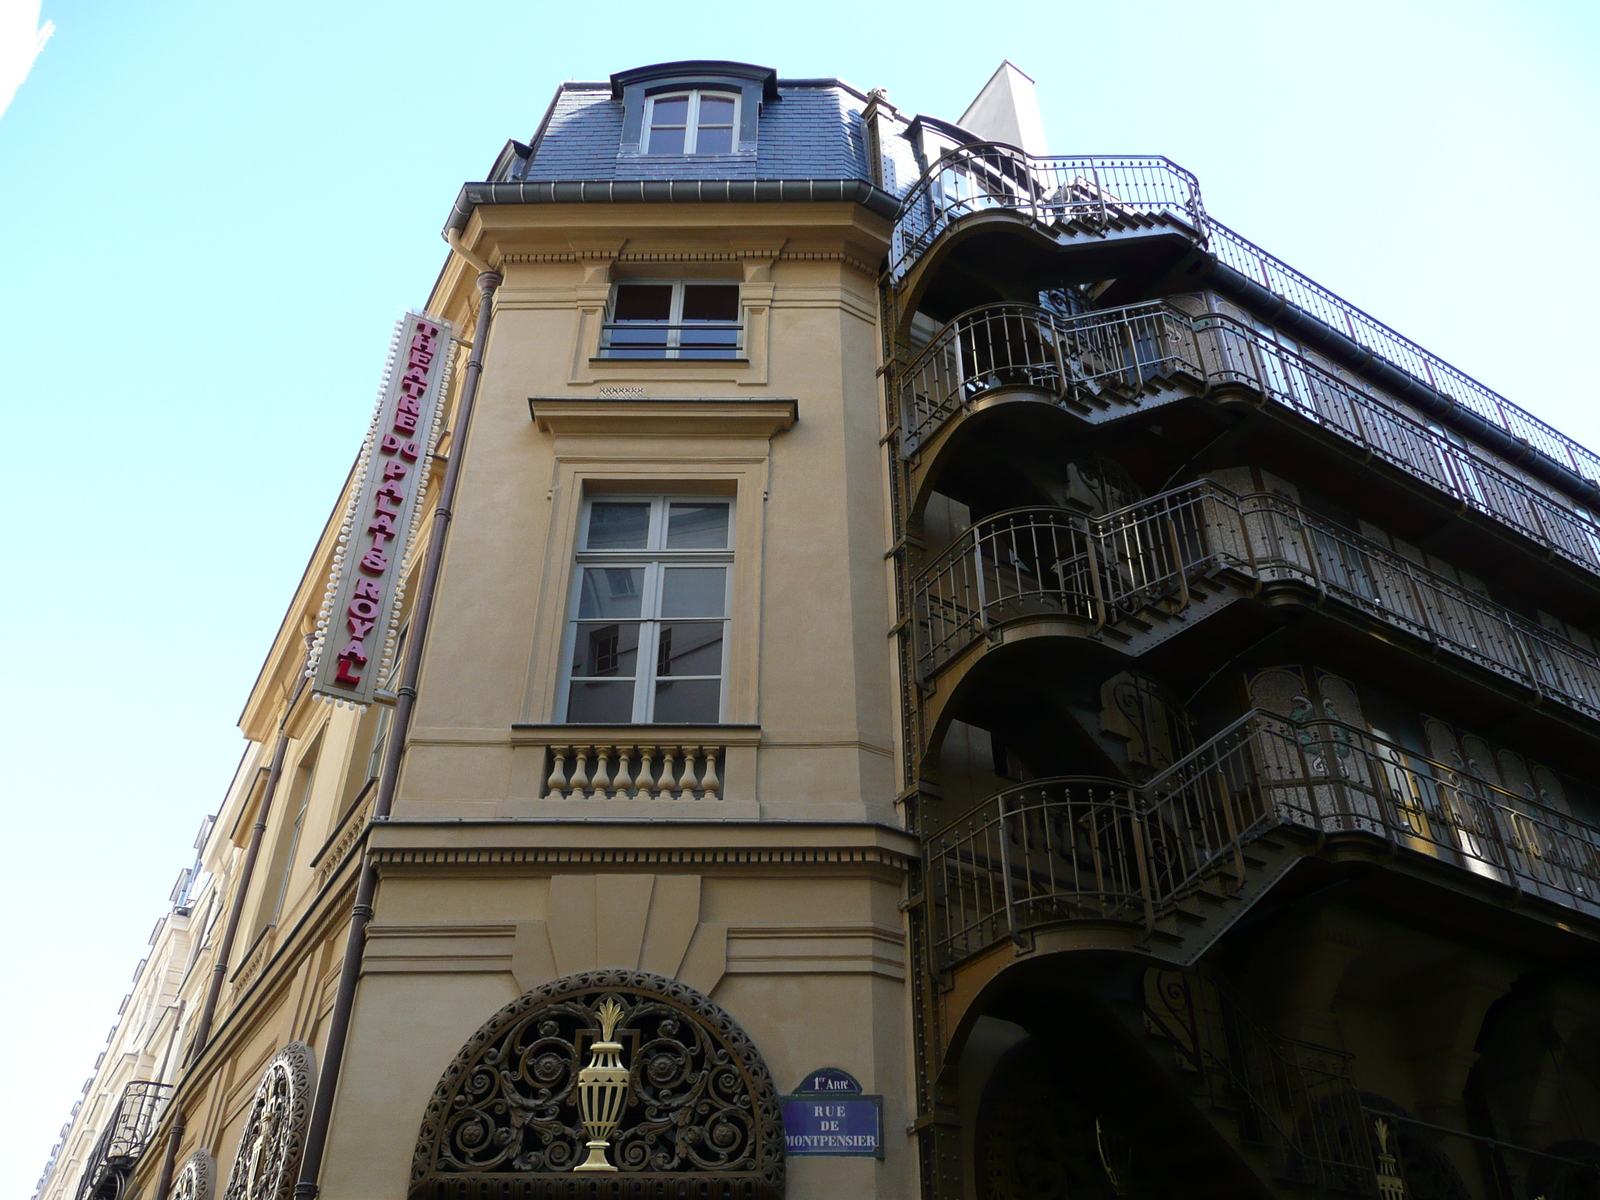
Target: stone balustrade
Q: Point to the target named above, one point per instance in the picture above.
(619, 771)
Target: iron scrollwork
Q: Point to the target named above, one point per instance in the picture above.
(197, 1178)
(274, 1133)
(699, 1101)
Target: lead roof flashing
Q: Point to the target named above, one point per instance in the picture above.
(671, 191)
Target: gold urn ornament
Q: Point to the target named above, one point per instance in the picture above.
(602, 1089)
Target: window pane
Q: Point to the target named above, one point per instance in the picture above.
(689, 648)
(697, 527)
(689, 701)
(673, 110)
(612, 592)
(644, 301)
(694, 591)
(666, 141)
(711, 302)
(715, 110)
(714, 141)
(614, 526)
(600, 703)
(612, 649)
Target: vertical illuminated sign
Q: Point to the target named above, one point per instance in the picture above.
(356, 633)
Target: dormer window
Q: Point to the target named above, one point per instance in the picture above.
(692, 122)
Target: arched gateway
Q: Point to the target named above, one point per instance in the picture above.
(697, 1117)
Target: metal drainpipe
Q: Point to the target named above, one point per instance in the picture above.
(219, 972)
(367, 885)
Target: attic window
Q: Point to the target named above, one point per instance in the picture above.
(692, 122)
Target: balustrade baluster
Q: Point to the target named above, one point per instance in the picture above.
(686, 779)
(556, 784)
(665, 784)
(710, 784)
(602, 772)
(624, 780)
(645, 785)
(580, 775)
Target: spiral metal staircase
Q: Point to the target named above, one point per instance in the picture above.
(1163, 318)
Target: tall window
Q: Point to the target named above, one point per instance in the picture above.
(288, 843)
(673, 320)
(650, 611)
(693, 123)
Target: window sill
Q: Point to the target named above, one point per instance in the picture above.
(548, 734)
(660, 416)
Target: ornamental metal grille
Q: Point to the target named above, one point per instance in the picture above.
(197, 1178)
(701, 1116)
(275, 1131)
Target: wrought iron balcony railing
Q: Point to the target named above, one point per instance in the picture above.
(1283, 281)
(1113, 357)
(1091, 190)
(1148, 557)
(1054, 851)
(1096, 191)
(650, 339)
(129, 1127)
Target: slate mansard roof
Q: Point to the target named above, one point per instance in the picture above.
(812, 129)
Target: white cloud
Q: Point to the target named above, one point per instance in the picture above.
(21, 39)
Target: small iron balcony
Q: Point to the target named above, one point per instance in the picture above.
(1063, 850)
(1092, 194)
(1147, 559)
(695, 340)
(1102, 364)
(1089, 191)
(129, 1128)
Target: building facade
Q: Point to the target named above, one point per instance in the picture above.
(905, 665)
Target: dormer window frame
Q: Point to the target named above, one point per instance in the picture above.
(753, 88)
(693, 125)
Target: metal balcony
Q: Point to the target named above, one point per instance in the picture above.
(1104, 365)
(1087, 191)
(1052, 852)
(1159, 558)
(1095, 193)
(129, 1128)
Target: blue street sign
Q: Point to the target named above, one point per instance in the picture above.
(827, 1114)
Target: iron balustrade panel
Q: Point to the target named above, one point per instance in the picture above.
(1029, 563)
(1054, 851)
(1115, 353)
(1093, 191)
(127, 1134)
(1386, 428)
(1032, 562)
(1096, 191)
(1258, 265)
(1288, 542)
(696, 340)
(1035, 855)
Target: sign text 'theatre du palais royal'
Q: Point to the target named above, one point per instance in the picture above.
(356, 634)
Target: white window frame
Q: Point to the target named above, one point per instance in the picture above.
(653, 558)
(691, 129)
(674, 323)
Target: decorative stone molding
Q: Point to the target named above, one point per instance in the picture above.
(197, 1178)
(274, 1132)
(649, 416)
(808, 856)
(700, 1116)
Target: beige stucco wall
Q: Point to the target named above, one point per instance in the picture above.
(780, 898)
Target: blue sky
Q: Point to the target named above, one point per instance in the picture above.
(210, 215)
